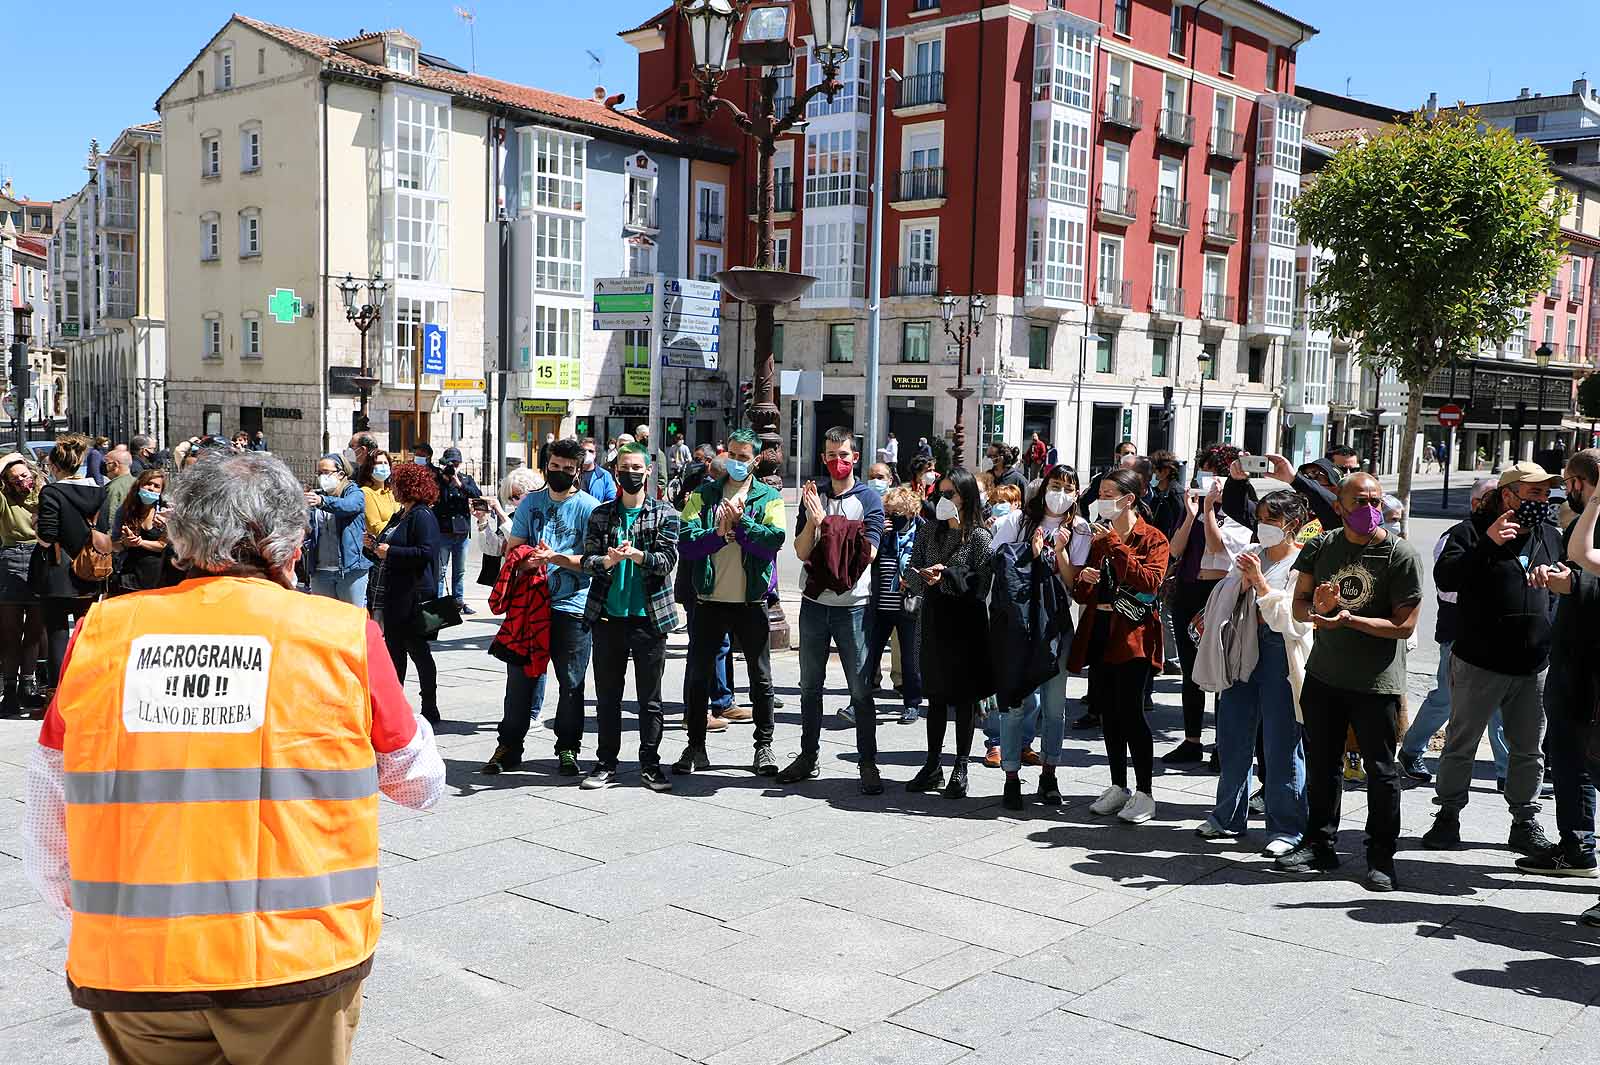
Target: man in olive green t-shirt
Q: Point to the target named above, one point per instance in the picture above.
(119, 481)
(1362, 588)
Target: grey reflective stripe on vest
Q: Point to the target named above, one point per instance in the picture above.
(211, 897)
(218, 785)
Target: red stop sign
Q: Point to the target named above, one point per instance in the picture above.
(1449, 415)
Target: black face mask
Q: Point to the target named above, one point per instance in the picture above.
(559, 480)
(1532, 513)
(631, 480)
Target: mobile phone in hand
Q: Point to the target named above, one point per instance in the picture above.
(1255, 464)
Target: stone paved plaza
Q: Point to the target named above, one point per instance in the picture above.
(734, 922)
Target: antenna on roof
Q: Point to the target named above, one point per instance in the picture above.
(470, 17)
(597, 62)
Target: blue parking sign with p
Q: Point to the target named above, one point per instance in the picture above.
(433, 340)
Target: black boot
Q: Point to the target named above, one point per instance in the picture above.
(957, 787)
(929, 778)
(1012, 799)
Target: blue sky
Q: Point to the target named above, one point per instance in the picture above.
(122, 55)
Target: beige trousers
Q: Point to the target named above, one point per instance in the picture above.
(315, 1032)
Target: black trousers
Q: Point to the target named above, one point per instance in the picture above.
(59, 617)
(966, 724)
(1116, 694)
(615, 642)
(746, 623)
(401, 642)
(1189, 599)
(1330, 713)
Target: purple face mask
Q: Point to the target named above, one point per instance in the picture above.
(1363, 519)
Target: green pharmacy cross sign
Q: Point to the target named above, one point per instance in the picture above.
(285, 306)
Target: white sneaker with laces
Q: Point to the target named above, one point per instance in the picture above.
(1139, 809)
(1209, 829)
(1110, 801)
(1278, 848)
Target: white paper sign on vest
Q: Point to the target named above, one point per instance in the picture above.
(190, 683)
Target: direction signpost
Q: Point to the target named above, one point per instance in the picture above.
(1450, 418)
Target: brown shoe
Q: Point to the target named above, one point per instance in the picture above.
(1030, 756)
(716, 724)
(737, 713)
(992, 758)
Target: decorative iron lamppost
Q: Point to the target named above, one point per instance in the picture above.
(362, 316)
(1542, 355)
(767, 40)
(961, 334)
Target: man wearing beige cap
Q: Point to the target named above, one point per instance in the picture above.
(1498, 563)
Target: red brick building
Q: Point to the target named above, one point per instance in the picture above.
(1113, 175)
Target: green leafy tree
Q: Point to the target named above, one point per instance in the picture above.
(1437, 234)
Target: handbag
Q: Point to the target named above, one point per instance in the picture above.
(1134, 607)
(436, 615)
(489, 570)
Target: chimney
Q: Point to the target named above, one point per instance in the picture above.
(600, 94)
(1433, 103)
(1524, 93)
(1580, 88)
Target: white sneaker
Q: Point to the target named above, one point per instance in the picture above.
(1277, 848)
(1209, 829)
(1140, 809)
(1110, 801)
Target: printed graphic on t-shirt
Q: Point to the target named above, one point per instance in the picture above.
(185, 683)
(1356, 584)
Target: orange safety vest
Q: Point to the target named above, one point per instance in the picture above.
(221, 788)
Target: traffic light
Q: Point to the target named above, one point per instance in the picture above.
(20, 384)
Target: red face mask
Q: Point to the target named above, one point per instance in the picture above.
(840, 468)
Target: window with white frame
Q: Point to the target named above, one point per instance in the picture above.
(1175, 34)
(835, 253)
(1164, 281)
(1277, 289)
(1222, 119)
(1273, 218)
(1055, 248)
(1517, 339)
(1226, 65)
(210, 155)
(1278, 135)
(225, 67)
(1122, 17)
(1063, 65)
(210, 236)
(1061, 159)
(708, 199)
(1214, 297)
(920, 260)
(707, 263)
(421, 237)
(211, 336)
(400, 58)
(1572, 337)
(557, 332)
(1169, 189)
(1108, 276)
(855, 75)
(249, 232)
(552, 170)
(641, 201)
(1549, 328)
(421, 144)
(785, 94)
(408, 316)
(1218, 199)
(836, 168)
(250, 335)
(916, 341)
(1577, 277)
(120, 269)
(250, 147)
(780, 250)
(558, 253)
(641, 257)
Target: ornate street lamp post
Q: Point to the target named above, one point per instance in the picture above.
(1541, 355)
(362, 315)
(766, 41)
(1203, 360)
(962, 334)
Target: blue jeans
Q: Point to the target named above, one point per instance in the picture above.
(1027, 725)
(452, 550)
(1435, 711)
(1042, 713)
(348, 587)
(1265, 702)
(879, 626)
(821, 628)
(569, 657)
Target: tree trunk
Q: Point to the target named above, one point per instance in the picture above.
(1408, 454)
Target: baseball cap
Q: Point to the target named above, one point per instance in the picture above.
(1527, 473)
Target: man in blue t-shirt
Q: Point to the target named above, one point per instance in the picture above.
(554, 520)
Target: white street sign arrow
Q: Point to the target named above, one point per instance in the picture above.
(705, 290)
(705, 308)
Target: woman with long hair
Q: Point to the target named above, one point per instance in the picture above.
(891, 609)
(1265, 702)
(950, 567)
(407, 577)
(20, 616)
(71, 509)
(142, 535)
(1119, 638)
(336, 526)
(372, 477)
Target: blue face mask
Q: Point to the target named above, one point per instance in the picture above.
(737, 471)
(148, 497)
(380, 473)
(420, 460)
(1000, 510)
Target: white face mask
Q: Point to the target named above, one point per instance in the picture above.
(328, 481)
(930, 477)
(1057, 501)
(986, 465)
(946, 509)
(1270, 535)
(1204, 481)
(1104, 510)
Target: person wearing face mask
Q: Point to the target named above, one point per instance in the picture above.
(595, 478)
(358, 452)
(142, 538)
(1253, 654)
(951, 566)
(1435, 709)
(1362, 590)
(335, 530)
(492, 519)
(879, 477)
(373, 478)
(453, 512)
(1031, 629)
(20, 616)
(1205, 545)
(733, 528)
(1498, 563)
(1118, 639)
(1003, 467)
(892, 611)
(72, 518)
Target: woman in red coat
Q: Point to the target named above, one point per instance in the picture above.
(1119, 639)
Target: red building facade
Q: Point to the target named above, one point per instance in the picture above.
(1115, 177)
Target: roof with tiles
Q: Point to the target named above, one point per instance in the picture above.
(467, 86)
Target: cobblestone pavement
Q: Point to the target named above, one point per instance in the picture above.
(735, 922)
